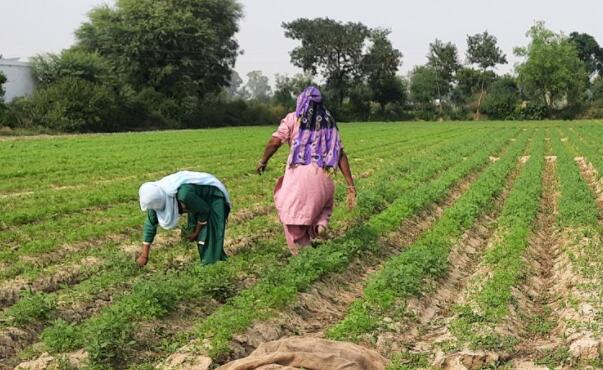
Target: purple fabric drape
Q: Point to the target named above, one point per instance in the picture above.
(318, 140)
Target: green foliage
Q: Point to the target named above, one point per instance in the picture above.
(469, 82)
(108, 338)
(354, 77)
(402, 276)
(475, 322)
(409, 360)
(280, 286)
(2, 82)
(71, 63)
(31, 308)
(73, 104)
(258, 86)
(61, 336)
(178, 48)
(417, 162)
(423, 90)
(577, 204)
(589, 52)
(288, 88)
(443, 59)
(515, 221)
(503, 99)
(553, 84)
(380, 65)
(482, 49)
(331, 48)
(3, 117)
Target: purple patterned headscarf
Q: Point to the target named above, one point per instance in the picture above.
(318, 139)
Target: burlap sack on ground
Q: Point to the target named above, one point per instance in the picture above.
(310, 354)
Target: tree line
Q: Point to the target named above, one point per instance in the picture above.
(153, 64)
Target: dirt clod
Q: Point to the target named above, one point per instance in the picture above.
(181, 361)
(586, 348)
(466, 360)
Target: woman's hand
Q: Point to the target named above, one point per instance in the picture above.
(195, 234)
(344, 166)
(351, 198)
(192, 237)
(261, 167)
(142, 260)
(271, 147)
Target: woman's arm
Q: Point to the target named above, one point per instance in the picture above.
(143, 258)
(344, 166)
(271, 147)
(149, 232)
(197, 208)
(198, 227)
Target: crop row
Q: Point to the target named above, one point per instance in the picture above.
(576, 204)
(402, 276)
(489, 303)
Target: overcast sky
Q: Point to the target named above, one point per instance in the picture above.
(29, 27)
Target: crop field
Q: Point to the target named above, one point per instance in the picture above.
(473, 245)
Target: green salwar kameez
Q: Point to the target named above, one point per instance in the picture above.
(204, 203)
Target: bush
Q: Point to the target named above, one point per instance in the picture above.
(107, 339)
(594, 111)
(2, 82)
(71, 63)
(215, 111)
(530, 110)
(502, 100)
(2, 92)
(61, 336)
(72, 105)
(77, 105)
(31, 308)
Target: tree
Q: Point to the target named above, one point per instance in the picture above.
(443, 59)
(483, 51)
(380, 66)
(258, 86)
(503, 98)
(423, 88)
(329, 48)
(552, 73)
(597, 89)
(234, 84)
(589, 52)
(287, 88)
(470, 81)
(2, 82)
(2, 92)
(178, 47)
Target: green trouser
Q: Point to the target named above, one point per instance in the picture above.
(211, 238)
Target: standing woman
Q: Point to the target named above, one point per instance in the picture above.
(304, 195)
(202, 196)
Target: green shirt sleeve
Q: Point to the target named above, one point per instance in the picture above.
(150, 226)
(194, 203)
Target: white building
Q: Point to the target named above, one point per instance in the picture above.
(20, 81)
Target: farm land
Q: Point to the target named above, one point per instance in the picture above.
(474, 245)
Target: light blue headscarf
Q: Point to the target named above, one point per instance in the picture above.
(160, 196)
